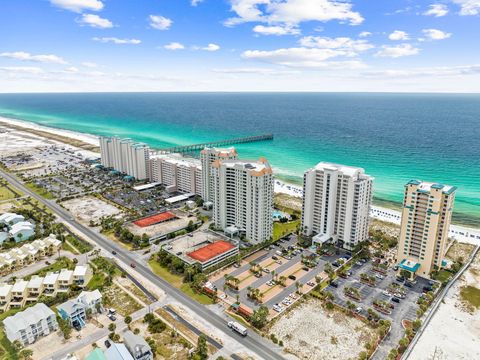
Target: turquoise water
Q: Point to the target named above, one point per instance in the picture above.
(395, 137)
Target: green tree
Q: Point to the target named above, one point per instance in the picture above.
(65, 327)
(112, 327)
(26, 354)
(201, 352)
(128, 319)
(259, 317)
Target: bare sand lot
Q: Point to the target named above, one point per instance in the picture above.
(90, 208)
(454, 331)
(311, 332)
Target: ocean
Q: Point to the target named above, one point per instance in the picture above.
(395, 137)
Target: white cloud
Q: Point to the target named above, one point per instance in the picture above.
(160, 22)
(350, 46)
(78, 5)
(117, 40)
(302, 57)
(365, 34)
(71, 69)
(211, 47)
(261, 71)
(24, 56)
(435, 34)
(398, 35)
(95, 21)
(431, 71)
(195, 2)
(468, 7)
(174, 46)
(12, 70)
(89, 64)
(398, 51)
(437, 10)
(292, 12)
(276, 30)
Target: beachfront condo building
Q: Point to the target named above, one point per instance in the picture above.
(125, 155)
(336, 203)
(243, 198)
(207, 157)
(176, 173)
(426, 216)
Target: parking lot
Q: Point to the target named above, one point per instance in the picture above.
(286, 268)
(145, 202)
(404, 309)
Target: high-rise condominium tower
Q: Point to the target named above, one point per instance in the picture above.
(426, 216)
(336, 203)
(125, 156)
(243, 197)
(207, 157)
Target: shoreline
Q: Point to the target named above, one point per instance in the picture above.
(388, 214)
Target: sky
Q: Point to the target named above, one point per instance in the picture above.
(240, 45)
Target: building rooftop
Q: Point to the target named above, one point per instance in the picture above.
(35, 282)
(211, 250)
(345, 169)
(20, 286)
(118, 352)
(136, 342)
(80, 270)
(428, 186)
(25, 318)
(155, 219)
(5, 289)
(65, 275)
(50, 278)
(255, 168)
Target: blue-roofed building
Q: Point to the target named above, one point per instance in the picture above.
(96, 354)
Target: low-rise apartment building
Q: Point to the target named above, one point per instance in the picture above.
(29, 325)
(28, 253)
(24, 292)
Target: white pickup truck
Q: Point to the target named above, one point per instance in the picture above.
(242, 330)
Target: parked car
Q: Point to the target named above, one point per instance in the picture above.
(292, 277)
(358, 310)
(274, 257)
(279, 262)
(114, 252)
(236, 265)
(277, 308)
(378, 276)
(311, 283)
(133, 265)
(305, 268)
(334, 284)
(258, 275)
(408, 284)
(395, 299)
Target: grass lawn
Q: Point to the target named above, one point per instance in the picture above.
(80, 245)
(6, 194)
(282, 229)
(67, 247)
(40, 191)
(7, 352)
(176, 281)
(471, 295)
(443, 276)
(96, 281)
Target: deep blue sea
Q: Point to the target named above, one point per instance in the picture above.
(395, 137)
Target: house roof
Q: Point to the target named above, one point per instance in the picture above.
(65, 275)
(87, 297)
(135, 342)
(80, 270)
(118, 352)
(70, 306)
(96, 354)
(25, 318)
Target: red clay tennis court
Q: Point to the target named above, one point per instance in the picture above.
(155, 219)
(210, 251)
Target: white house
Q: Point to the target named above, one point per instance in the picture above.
(29, 325)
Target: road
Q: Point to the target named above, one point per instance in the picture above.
(254, 342)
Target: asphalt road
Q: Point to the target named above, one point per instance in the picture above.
(253, 341)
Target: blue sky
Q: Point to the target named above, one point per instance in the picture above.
(240, 45)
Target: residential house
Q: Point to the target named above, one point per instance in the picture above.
(50, 284)
(34, 289)
(10, 219)
(5, 296)
(75, 311)
(22, 230)
(65, 280)
(19, 294)
(29, 325)
(117, 352)
(82, 275)
(137, 346)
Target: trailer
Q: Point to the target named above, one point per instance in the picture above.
(242, 330)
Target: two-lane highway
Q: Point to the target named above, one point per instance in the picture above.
(255, 343)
